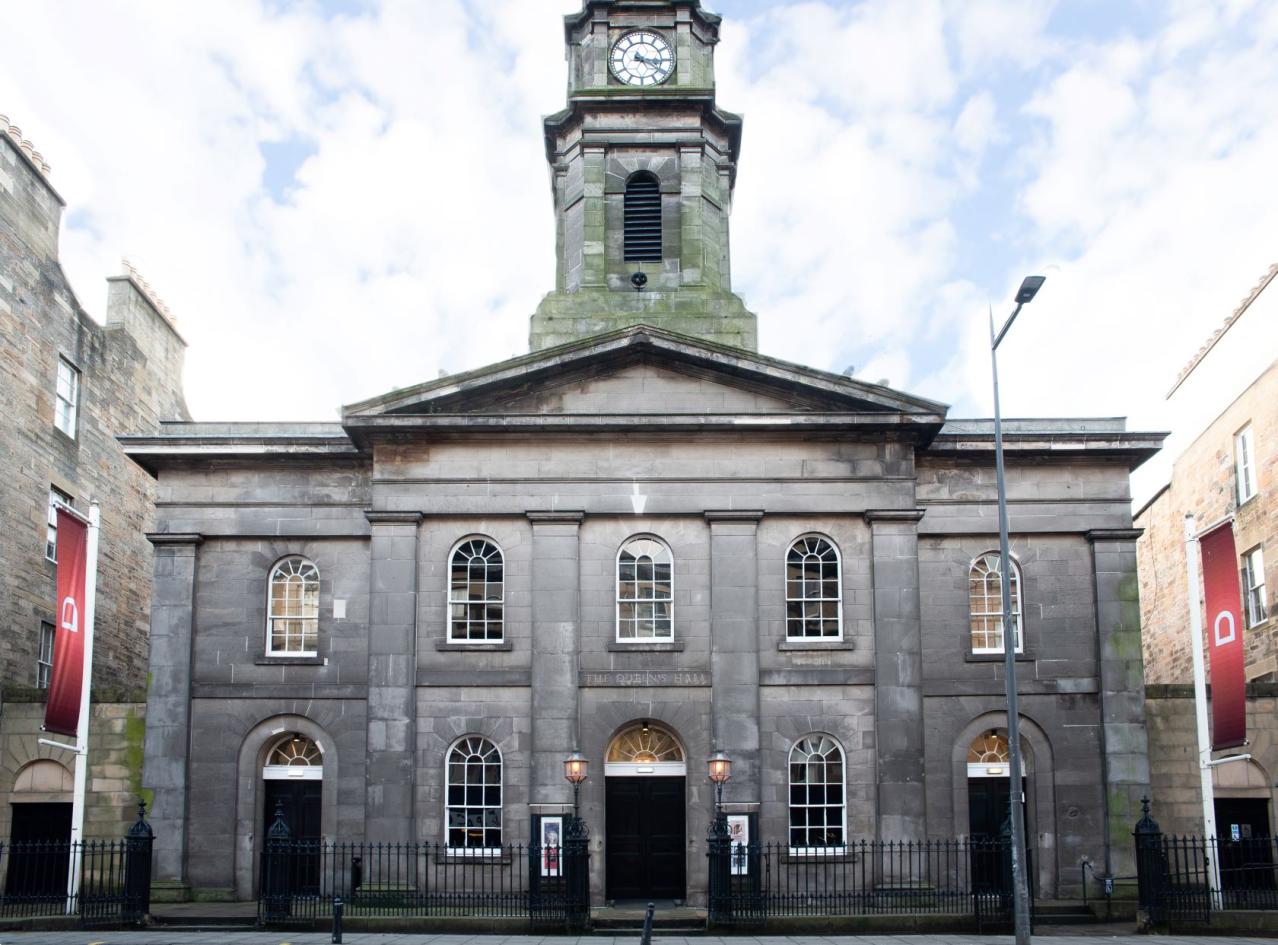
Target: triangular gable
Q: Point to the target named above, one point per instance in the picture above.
(607, 374)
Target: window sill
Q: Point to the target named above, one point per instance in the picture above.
(647, 646)
(821, 854)
(792, 646)
(478, 857)
(970, 657)
(265, 660)
(446, 646)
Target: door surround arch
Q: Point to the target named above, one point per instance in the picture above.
(254, 752)
(1040, 776)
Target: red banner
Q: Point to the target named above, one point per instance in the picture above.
(1224, 638)
(62, 712)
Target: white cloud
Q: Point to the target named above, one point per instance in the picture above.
(902, 164)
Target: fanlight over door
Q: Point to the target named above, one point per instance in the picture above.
(645, 749)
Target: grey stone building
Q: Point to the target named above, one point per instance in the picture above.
(68, 385)
(646, 541)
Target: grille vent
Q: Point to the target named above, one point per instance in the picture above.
(643, 219)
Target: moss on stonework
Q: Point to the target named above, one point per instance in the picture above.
(709, 314)
(134, 738)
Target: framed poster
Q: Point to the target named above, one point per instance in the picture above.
(739, 832)
(551, 841)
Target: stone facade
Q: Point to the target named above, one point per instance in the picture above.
(129, 378)
(559, 459)
(1173, 752)
(379, 502)
(1204, 483)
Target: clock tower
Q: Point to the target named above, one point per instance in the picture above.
(643, 164)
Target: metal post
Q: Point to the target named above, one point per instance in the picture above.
(337, 920)
(86, 711)
(720, 855)
(1020, 888)
(137, 869)
(575, 856)
(1200, 709)
(647, 925)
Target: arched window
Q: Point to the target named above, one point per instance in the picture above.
(985, 596)
(645, 590)
(476, 593)
(643, 218)
(813, 590)
(292, 622)
(816, 793)
(474, 794)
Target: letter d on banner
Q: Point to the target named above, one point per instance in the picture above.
(1225, 647)
(62, 712)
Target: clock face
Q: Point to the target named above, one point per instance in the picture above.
(642, 58)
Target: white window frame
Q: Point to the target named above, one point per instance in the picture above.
(824, 849)
(467, 602)
(1245, 464)
(1018, 605)
(56, 498)
(804, 599)
(66, 397)
(467, 849)
(312, 619)
(1254, 587)
(619, 600)
(44, 658)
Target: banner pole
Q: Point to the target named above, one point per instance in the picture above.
(1200, 710)
(86, 711)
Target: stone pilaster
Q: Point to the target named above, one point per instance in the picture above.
(1122, 689)
(734, 647)
(168, 705)
(556, 593)
(392, 676)
(898, 673)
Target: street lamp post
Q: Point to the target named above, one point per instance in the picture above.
(574, 773)
(720, 843)
(1020, 882)
(576, 847)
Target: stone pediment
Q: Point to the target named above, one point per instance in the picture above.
(641, 371)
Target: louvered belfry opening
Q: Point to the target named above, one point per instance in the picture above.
(643, 218)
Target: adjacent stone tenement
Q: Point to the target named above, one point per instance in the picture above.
(1204, 482)
(128, 377)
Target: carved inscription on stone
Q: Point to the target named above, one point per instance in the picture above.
(643, 678)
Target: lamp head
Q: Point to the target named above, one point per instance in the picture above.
(575, 768)
(720, 767)
(1029, 288)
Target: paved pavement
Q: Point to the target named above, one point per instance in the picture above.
(369, 938)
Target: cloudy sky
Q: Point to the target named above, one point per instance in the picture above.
(339, 197)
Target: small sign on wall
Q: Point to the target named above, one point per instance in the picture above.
(552, 832)
(739, 832)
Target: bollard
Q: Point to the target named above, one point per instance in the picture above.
(647, 926)
(337, 920)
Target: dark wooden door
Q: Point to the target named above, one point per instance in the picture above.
(645, 838)
(39, 850)
(301, 807)
(987, 806)
(302, 800)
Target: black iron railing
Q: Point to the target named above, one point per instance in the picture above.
(945, 877)
(114, 879)
(1177, 874)
(301, 879)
